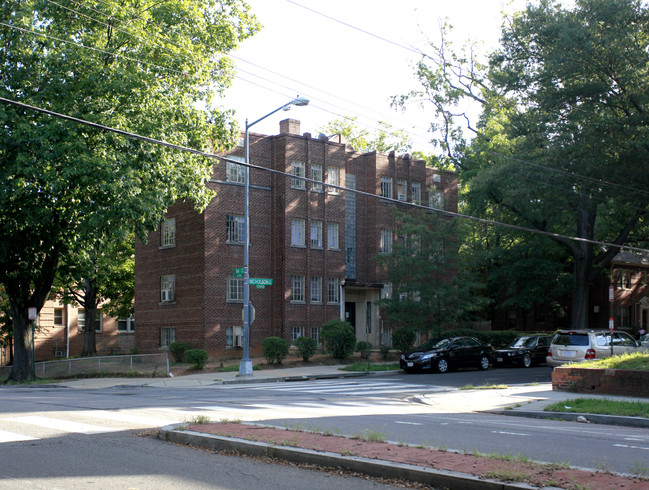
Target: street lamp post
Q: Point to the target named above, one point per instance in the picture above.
(245, 367)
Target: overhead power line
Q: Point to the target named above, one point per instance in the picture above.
(288, 175)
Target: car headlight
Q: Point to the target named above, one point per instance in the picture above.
(403, 357)
(428, 356)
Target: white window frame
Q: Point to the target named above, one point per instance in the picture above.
(236, 173)
(130, 325)
(333, 291)
(385, 247)
(298, 227)
(167, 283)
(81, 320)
(316, 234)
(296, 333)
(333, 178)
(386, 293)
(316, 289)
(386, 187)
(57, 317)
(297, 170)
(167, 336)
(402, 190)
(234, 288)
(316, 174)
(233, 337)
(297, 289)
(168, 233)
(333, 237)
(315, 334)
(436, 199)
(235, 229)
(415, 192)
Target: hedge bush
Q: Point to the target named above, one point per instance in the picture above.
(339, 338)
(365, 348)
(306, 347)
(275, 349)
(177, 349)
(196, 357)
(403, 339)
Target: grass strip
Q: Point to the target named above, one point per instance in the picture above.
(364, 366)
(601, 406)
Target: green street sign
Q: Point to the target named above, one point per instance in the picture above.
(238, 270)
(260, 281)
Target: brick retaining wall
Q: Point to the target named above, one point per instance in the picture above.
(622, 382)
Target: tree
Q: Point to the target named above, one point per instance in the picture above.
(561, 144)
(144, 67)
(385, 139)
(423, 268)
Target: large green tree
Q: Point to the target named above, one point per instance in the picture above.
(145, 67)
(562, 145)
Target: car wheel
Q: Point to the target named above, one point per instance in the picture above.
(442, 366)
(484, 363)
(527, 360)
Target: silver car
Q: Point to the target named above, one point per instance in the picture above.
(583, 345)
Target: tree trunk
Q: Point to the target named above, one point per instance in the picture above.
(582, 270)
(90, 305)
(21, 369)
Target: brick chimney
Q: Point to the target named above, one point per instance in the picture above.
(290, 126)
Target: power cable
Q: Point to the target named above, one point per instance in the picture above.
(341, 188)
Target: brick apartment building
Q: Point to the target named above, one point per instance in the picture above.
(318, 245)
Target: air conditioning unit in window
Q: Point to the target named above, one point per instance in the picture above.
(437, 178)
(237, 341)
(166, 295)
(401, 197)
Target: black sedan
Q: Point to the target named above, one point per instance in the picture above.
(447, 354)
(524, 351)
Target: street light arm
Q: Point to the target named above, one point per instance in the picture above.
(299, 101)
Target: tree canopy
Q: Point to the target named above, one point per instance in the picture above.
(141, 66)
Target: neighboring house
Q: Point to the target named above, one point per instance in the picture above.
(59, 333)
(316, 243)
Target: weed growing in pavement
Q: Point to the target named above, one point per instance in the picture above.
(230, 421)
(347, 452)
(371, 436)
(291, 442)
(640, 468)
(601, 466)
(506, 475)
(198, 419)
(484, 387)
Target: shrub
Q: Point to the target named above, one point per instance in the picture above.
(403, 338)
(275, 349)
(178, 349)
(196, 357)
(339, 338)
(364, 348)
(306, 347)
(384, 350)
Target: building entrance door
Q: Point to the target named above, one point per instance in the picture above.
(350, 313)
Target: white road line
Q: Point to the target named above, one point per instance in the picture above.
(61, 424)
(124, 417)
(406, 423)
(510, 433)
(627, 446)
(13, 437)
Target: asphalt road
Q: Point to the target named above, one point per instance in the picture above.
(44, 429)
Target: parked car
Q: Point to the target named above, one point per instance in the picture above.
(582, 345)
(447, 354)
(644, 340)
(524, 351)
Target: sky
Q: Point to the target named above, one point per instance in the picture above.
(318, 50)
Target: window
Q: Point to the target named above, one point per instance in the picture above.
(126, 325)
(386, 242)
(236, 229)
(386, 187)
(623, 316)
(297, 170)
(624, 279)
(236, 173)
(402, 186)
(235, 289)
(332, 290)
(333, 178)
(316, 289)
(415, 193)
(315, 334)
(387, 291)
(58, 317)
(436, 199)
(297, 289)
(296, 333)
(332, 236)
(316, 234)
(81, 320)
(168, 233)
(167, 336)
(297, 232)
(316, 174)
(167, 289)
(233, 337)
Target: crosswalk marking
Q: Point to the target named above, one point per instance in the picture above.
(342, 388)
(60, 424)
(13, 437)
(123, 417)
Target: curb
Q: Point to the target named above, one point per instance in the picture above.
(589, 418)
(371, 467)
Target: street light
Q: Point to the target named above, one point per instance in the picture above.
(245, 367)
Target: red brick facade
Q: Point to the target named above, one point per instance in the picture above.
(202, 258)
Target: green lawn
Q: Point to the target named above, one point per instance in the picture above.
(601, 407)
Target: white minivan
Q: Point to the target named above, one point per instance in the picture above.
(583, 345)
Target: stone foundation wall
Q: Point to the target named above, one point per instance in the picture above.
(620, 382)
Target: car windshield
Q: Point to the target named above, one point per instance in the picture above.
(432, 344)
(523, 342)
